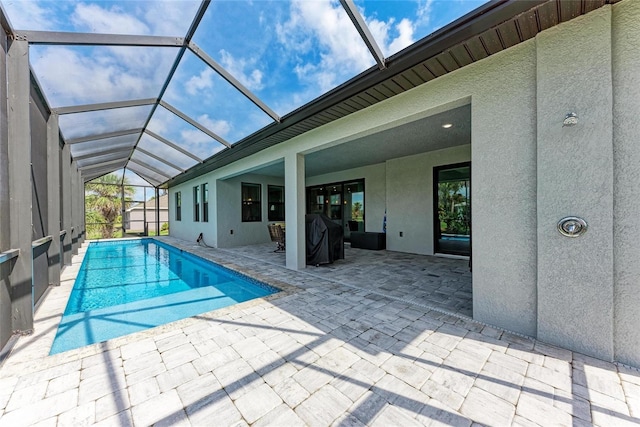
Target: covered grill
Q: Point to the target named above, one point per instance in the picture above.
(324, 239)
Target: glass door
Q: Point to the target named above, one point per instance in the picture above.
(335, 203)
(452, 209)
(353, 207)
(342, 202)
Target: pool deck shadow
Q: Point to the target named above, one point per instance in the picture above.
(320, 353)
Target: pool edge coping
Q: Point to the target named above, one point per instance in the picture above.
(70, 273)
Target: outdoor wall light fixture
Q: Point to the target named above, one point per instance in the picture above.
(447, 125)
(571, 119)
(572, 226)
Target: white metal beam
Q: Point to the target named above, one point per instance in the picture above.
(97, 165)
(194, 123)
(93, 174)
(174, 146)
(160, 159)
(358, 21)
(104, 136)
(143, 175)
(232, 80)
(103, 153)
(103, 106)
(151, 168)
(95, 39)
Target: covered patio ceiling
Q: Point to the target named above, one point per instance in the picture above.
(167, 90)
(419, 136)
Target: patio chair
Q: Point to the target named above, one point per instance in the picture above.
(277, 235)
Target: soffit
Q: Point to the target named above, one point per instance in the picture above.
(499, 26)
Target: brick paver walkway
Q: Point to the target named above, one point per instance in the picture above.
(319, 354)
(441, 283)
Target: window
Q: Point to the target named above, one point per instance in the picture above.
(275, 202)
(196, 203)
(205, 202)
(178, 206)
(251, 207)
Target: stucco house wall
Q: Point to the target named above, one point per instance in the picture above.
(409, 187)
(625, 56)
(229, 212)
(528, 171)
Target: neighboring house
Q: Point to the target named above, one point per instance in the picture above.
(510, 117)
(140, 214)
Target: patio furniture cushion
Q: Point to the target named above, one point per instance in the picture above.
(368, 240)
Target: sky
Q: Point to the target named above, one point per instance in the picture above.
(287, 53)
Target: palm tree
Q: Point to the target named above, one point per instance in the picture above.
(103, 202)
(356, 211)
(453, 209)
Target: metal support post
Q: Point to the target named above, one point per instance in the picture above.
(157, 211)
(145, 226)
(53, 198)
(79, 207)
(74, 209)
(67, 219)
(122, 210)
(83, 211)
(19, 151)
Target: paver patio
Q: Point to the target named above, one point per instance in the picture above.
(331, 349)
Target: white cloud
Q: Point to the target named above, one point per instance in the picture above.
(93, 18)
(382, 30)
(195, 136)
(252, 79)
(200, 82)
(323, 26)
(220, 127)
(424, 12)
(405, 29)
(199, 143)
(170, 17)
(73, 76)
(30, 15)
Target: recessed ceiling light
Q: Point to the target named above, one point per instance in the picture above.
(447, 125)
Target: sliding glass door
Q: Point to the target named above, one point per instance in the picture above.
(452, 209)
(343, 202)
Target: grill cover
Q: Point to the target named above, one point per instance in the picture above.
(324, 239)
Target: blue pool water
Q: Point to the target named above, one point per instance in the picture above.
(131, 285)
(456, 237)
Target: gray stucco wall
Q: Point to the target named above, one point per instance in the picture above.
(503, 152)
(187, 228)
(575, 177)
(410, 198)
(626, 159)
(229, 211)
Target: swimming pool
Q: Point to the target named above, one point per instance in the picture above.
(127, 286)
